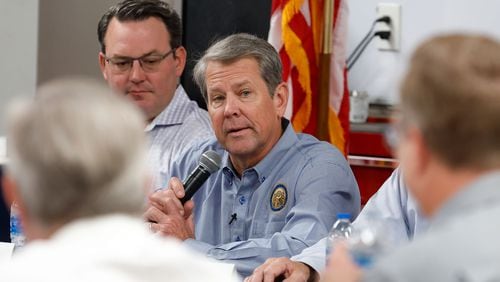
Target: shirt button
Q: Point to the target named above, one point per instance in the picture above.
(242, 200)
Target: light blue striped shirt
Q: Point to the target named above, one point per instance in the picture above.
(286, 202)
(180, 125)
(392, 205)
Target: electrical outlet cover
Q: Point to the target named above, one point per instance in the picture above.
(393, 10)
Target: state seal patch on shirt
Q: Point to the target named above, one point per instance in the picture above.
(279, 197)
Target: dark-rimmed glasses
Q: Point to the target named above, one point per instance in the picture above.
(148, 62)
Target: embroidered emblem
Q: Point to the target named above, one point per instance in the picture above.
(278, 197)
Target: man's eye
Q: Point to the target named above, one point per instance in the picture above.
(217, 98)
(150, 61)
(245, 93)
(121, 63)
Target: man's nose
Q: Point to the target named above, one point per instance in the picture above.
(137, 73)
(232, 106)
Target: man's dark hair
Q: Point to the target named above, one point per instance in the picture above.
(138, 10)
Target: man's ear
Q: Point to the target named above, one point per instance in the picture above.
(102, 64)
(180, 59)
(280, 99)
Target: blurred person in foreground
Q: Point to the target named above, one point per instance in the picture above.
(142, 58)
(277, 191)
(77, 172)
(449, 152)
(391, 207)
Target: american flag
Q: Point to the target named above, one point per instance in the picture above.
(296, 32)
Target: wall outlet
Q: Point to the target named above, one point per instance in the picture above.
(393, 11)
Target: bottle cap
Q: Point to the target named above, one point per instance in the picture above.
(342, 215)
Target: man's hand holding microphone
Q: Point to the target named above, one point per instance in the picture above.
(170, 210)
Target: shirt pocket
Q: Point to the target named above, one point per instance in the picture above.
(265, 229)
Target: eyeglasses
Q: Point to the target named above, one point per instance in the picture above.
(148, 62)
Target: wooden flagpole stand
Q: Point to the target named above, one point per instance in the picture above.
(322, 129)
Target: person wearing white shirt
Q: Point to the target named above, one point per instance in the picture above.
(391, 205)
(78, 174)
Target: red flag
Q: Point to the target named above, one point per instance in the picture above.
(296, 31)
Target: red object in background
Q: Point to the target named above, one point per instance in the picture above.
(370, 159)
(370, 179)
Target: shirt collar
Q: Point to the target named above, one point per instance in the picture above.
(175, 112)
(481, 193)
(265, 166)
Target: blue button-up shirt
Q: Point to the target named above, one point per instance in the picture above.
(286, 202)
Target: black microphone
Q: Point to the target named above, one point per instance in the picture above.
(209, 162)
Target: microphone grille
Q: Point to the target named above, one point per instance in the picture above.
(210, 160)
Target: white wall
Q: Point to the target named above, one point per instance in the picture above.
(42, 40)
(378, 72)
(18, 51)
(68, 42)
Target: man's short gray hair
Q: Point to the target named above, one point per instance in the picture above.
(239, 46)
(77, 150)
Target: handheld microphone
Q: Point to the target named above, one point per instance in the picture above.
(209, 163)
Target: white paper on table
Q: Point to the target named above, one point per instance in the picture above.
(6, 250)
(228, 269)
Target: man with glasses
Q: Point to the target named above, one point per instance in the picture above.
(142, 57)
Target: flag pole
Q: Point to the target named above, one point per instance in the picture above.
(322, 130)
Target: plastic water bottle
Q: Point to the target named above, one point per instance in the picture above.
(341, 231)
(16, 232)
(367, 244)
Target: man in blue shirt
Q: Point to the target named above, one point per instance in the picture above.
(392, 206)
(278, 191)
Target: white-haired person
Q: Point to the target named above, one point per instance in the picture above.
(78, 175)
